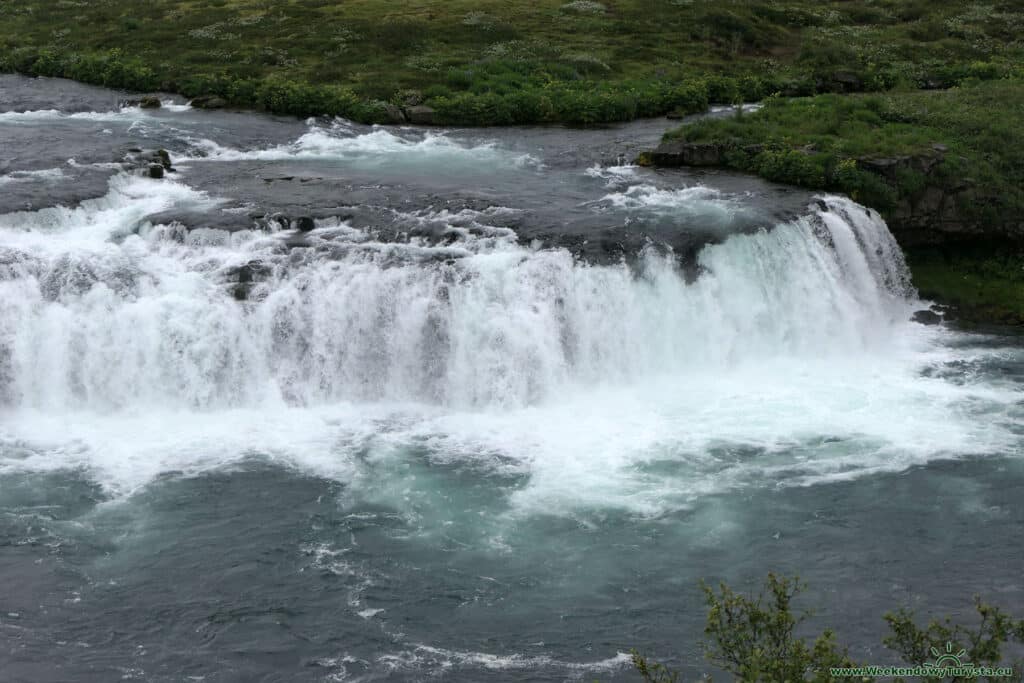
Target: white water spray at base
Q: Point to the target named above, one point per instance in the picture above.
(124, 352)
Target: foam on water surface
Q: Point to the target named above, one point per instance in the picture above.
(789, 360)
(379, 146)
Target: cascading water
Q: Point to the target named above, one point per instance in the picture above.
(343, 403)
(103, 310)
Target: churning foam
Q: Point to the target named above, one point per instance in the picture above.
(338, 141)
(123, 114)
(31, 176)
(788, 360)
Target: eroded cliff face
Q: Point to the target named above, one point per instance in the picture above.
(946, 208)
(940, 208)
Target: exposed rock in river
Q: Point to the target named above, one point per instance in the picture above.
(926, 317)
(153, 162)
(209, 102)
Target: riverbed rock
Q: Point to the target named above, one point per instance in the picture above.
(305, 224)
(394, 113)
(150, 102)
(421, 114)
(926, 317)
(682, 153)
(209, 102)
(152, 162)
(164, 157)
(243, 278)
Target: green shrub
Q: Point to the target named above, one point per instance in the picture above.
(688, 98)
(791, 166)
(459, 79)
(722, 90)
(755, 640)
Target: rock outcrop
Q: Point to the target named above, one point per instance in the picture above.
(676, 153)
(926, 317)
(394, 113)
(242, 279)
(420, 114)
(153, 163)
(681, 153)
(943, 209)
(209, 102)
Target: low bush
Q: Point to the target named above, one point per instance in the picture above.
(755, 639)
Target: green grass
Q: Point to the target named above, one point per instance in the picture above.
(497, 61)
(985, 285)
(815, 141)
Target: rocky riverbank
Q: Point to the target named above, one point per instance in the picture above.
(943, 208)
(945, 169)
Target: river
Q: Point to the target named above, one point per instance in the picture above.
(338, 403)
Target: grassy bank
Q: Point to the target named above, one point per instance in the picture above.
(815, 142)
(496, 62)
(834, 143)
(984, 283)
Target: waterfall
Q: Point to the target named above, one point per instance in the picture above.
(100, 308)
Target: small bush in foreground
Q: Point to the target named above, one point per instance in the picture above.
(755, 640)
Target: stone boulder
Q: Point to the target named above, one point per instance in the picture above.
(243, 278)
(153, 163)
(421, 115)
(394, 113)
(150, 102)
(209, 102)
(682, 153)
(926, 317)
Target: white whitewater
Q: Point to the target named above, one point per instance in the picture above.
(124, 352)
(100, 313)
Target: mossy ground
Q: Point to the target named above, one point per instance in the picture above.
(985, 285)
(815, 141)
(493, 61)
